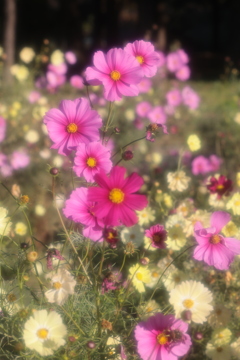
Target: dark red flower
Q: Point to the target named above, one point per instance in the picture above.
(221, 186)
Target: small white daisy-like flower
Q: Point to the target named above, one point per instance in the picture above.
(32, 136)
(220, 316)
(192, 296)
(155, 274)
(133, 234)
(185, 208)
(145, 216)
(235, 348)
(178, 181)
(217, 202)
(200, 215)
(234, 204)
(148, 309)
(176, 238)
(20, 229)
(44, 332)
(174, 278)
(221, 336)
(139, 275)
(57, 57)
(5, 223)
(216, 352)
(62, 283)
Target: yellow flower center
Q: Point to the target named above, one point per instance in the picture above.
(42, 333)
(237, 203)
(72, 128)
(188, 303)
(140, 59)
(115, 75)
(139, 276)
(220, 336)
(220, 187)
(110, 236)
(11, 297)
(162, 339)
(91, 162)
(155, 274)
(57, 285)
(149, 309)
(116, 196)
(215, 239)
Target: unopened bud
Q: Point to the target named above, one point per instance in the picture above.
(117, 130)
(24, 200)
(72, 338)
(198, 336)
(144, 261)
(91, 345)
(24, 245)
(32, 256)
(127, 155)
(187, 315)
(54, 171)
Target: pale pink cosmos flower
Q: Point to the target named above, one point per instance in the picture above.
(54, 80)
(77, 81)
(162, 58)
(143, 108)
(145, 85)
(174, 62)
(3, 128)
(90, 159)
(70, 57)
(73, 123)
(5, 168)
(33, 96)
(157, 115)
(215, 163)
(183, 56)
(174, 97)
(145, 54)
(118, 71)
(60, 69)
(190, 98)
(162, 337)
(213, 248)
(183, 74)
(19, 159)
(115, 197)
(158, 235)
(80, 210)
(201, 165)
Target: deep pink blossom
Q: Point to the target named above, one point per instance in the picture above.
(118, 71)
(157, 115)
(3, 128)
(145, 54)
(174, 97)
(213, 248)
(162, 337)
(80, 210)
(111, 282)
(158, 235)
(90, 159)
(174, 62)
(143, 108)
(76, 81)
(116, 198)
(73, 123)
(183, 73)
(190, 98)
(145, 85)
(220, 186)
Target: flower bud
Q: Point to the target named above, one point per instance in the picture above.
(24, 199)
(198, 336)
(72, 338)
(144, 261)
(187, 315)
(24, 245)
(54, 171)
(127, 155)
(117, 130)
(32, 256)
(91, 345)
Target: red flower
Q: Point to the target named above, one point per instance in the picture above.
(221, 186)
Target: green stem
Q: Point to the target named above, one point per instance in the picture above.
(108, 120)
(74, 322)
(132, 142)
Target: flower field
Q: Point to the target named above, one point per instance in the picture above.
(119, 209)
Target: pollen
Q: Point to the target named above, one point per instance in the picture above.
(162, 339)
(72, 128)
(155, 274)
(116, 196)
(215, 239)
(42, 333)
(140, 59)
(91, 162)
(188, 303)
(115, 75)
(57, 285)
(220, 187)
(139, 276)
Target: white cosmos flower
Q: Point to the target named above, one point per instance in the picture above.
(192, 295)
(44, 332)
(62, 283)
(133, 234)
(235, 347)
(4, 222)
(174, 278)
(216, 352)
(178, 181)
(220, 316)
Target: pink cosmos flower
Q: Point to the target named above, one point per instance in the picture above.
(19, 159)
(5, 168)
(80, 210)
(90, 159)
(162, 337)
(60, 69)
(200, 165)
(34, 96)
(143, 108)
(3, 128)
(73, 123)
(77, 81)
(158, 235)
(70, 57)
(157, 115)
(183, 56)
(174, 97)
(215, 162)
(146, 55)
(145, 85)
(162, 58)
(183, 74)
(115, 197)
(54, 80)
(174, 62)
(213, 248)
(190, 98)
(118, 71)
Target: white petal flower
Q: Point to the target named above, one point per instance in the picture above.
(192, 295)
(44, 332)
(216, 352)
(133, 234)
(62, 283)
(178, 181)
(4, 222)
(220, 316)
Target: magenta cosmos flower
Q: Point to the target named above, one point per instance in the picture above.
(162, 337)
(183, 74)
(174, 62)
(146, 55)
(90, 159)
(80, 210)
(73, 123)
(213, 248)
(158, 235)
(118, 71)
(220, 186)
(3, 127)
(115, 197)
